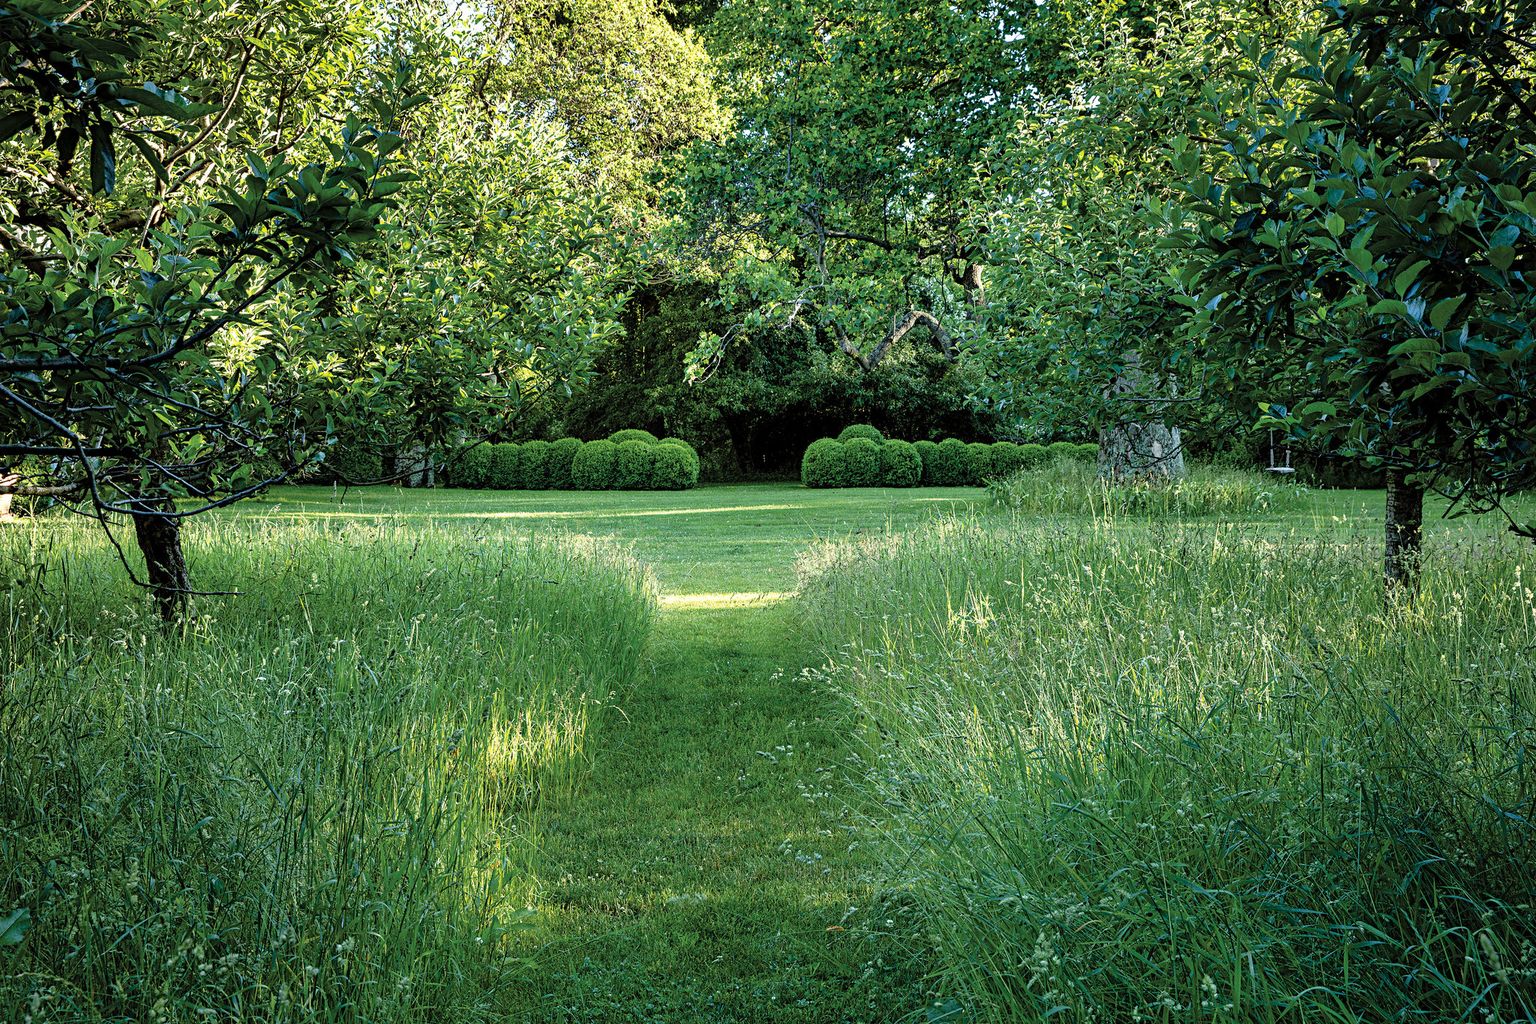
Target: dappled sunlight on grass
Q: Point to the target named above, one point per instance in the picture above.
(281, 513)
(724, 600)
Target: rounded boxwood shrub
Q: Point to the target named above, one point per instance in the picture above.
(900, 465)
(822, 464)
(632, 434)
(506, 471)
(861, 463)
(928, 452)
(632, 468)
(557, 467)
(672, 469)
(861, 431)
(1088, 452)
(1006, 459)
(689, 450)
(472, 466)
(951, 464)
(979, 456)
(592, 468)
(1034, 456)
(1062, 451)
(536, 465)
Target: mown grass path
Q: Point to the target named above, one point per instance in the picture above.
(710, 869)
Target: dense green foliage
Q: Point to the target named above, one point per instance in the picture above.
(557, 463)
(1365, 234)
(594, 467)
(1196, 774)
(632, 434)
(293, 806)
(859, 430)
(900, 465)
(949, 464)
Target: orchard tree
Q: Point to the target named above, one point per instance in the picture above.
(843, 201)
(141, 373)
(1365, 233)
(248, 293)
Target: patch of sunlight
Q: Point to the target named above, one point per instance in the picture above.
(550, 514)
(732, 600)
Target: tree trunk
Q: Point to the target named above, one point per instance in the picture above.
(971, 280)
(159, 539)
(1405, 533)
(1138, 449)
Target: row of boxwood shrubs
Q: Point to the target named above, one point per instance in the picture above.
(628, 460)
(862, 457)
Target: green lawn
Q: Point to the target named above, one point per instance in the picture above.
(728, 539)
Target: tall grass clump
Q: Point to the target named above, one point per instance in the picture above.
(312, 802)
(1197, 774)
(1065, 487)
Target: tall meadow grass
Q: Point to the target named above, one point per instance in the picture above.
(1071, 488)
(1184, 773)
(311, 802)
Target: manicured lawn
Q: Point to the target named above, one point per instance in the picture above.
(738, 538)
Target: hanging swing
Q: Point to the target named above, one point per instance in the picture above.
(1279, 456)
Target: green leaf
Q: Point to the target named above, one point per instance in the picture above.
(103, 160)
(1443, 310)
(15, 122)
(1413, 346)
(14, 926)
(1405, 278)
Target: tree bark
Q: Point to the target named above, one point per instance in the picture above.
(159, 538)
(970, 279)
(1138, 449)
(1405, 533)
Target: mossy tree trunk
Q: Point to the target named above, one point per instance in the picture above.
(159, 537)
(1405, 533)
(1135, 448)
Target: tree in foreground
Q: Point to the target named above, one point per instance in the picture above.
(168, 358)
(249, 296)
(1082, 321)
(1363, 247)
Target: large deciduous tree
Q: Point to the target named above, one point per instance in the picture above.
(206, 288)
(1365, 237)
(139, 357)
(844, 198)
(1082, 326)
